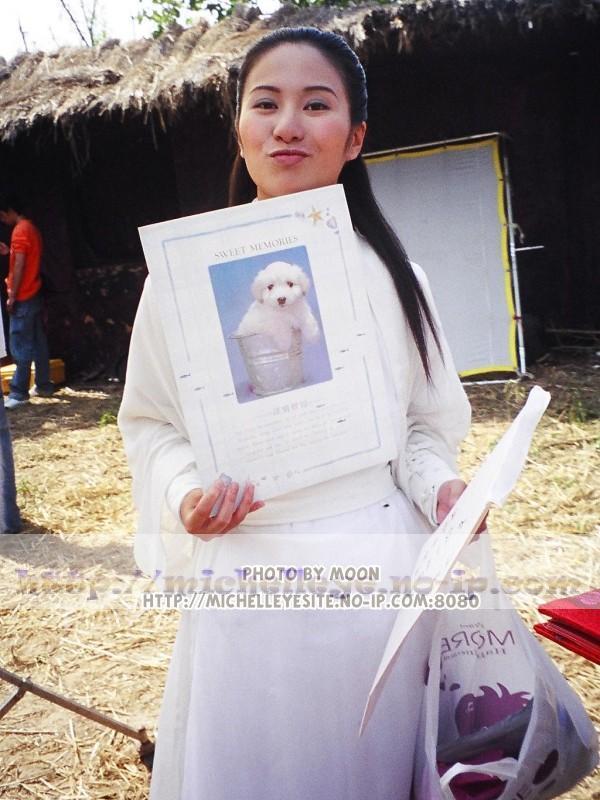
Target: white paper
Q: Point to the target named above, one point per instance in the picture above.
(337, 421)
(491, 485)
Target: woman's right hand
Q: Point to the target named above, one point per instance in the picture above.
(196, 507)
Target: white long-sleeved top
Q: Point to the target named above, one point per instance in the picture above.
(430, 420)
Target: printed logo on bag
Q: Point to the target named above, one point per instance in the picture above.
(477, 640)
(477, 711)
(544, 772)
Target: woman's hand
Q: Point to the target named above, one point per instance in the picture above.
(448, 494)
(196, 507)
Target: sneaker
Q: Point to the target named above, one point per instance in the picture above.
(37, 392)
(12, 402)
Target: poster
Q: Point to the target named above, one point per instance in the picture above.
(272, 341)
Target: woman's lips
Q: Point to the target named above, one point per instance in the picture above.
(288, 158)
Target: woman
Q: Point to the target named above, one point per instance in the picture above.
(268, 704)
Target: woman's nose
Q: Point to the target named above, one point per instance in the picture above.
(288, 126)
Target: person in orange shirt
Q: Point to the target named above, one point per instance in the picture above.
(27, 337)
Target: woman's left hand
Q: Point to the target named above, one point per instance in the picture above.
(448, 494)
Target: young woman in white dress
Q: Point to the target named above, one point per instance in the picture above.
(266, 705)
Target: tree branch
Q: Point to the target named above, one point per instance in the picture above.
(22, 32)
(74, 21)
(90, 19)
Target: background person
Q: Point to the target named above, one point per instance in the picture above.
(27, 337)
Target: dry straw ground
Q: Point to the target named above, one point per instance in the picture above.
(68, 584)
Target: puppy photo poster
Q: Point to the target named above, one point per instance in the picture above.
(272, 342)
(267, 304)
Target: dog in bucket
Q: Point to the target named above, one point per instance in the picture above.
(280, 306)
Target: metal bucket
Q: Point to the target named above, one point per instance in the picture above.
(270, 370)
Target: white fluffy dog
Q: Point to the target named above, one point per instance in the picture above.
(280, 305)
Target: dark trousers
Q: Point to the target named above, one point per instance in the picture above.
(28, 343)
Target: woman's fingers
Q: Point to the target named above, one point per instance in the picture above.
(189, 503)
(206, 503)
(197, 506)
(196, 511)
(483, 525)
(448, 495)
(223, 518)
(246, 506)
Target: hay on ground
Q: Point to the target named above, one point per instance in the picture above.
(68, 584)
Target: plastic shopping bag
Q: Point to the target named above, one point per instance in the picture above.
(499, 722)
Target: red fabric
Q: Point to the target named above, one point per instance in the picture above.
(574, 624)
(570, 639)
(581, 612)
(26, 239)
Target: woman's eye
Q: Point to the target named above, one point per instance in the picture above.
(317, 105)
(290, 284)
(270, 287)
(264, 104)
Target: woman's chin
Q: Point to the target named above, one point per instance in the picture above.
(287, 187)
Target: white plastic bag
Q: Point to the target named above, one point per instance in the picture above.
(484, 666)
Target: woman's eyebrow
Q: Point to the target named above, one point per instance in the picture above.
(320, 88)
(267, 88)
(264, 88)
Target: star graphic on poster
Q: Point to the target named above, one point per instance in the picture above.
(315, 216)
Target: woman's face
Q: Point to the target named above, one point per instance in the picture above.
(294, 127)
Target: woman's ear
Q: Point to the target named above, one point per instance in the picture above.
(356, 141)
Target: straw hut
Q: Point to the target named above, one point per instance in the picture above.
(105, 139)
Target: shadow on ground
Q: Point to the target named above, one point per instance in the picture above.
(48, 550)
(71, 408)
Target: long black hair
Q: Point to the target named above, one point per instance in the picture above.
(367, 217)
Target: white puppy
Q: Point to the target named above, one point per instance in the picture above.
(280, 306)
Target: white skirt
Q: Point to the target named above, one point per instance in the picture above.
(266, 704)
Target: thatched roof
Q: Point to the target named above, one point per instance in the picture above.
(157, 77)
